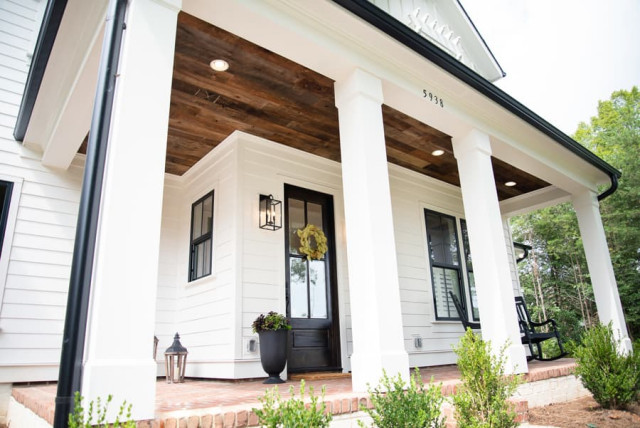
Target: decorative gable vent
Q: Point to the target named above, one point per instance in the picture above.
(428, 26)
(445, 24)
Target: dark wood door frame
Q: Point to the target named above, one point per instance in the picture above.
(332, 296)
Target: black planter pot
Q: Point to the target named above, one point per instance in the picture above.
(273, 353)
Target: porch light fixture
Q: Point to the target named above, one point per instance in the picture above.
(438, 152)
(510, 183)
(270, 213)
(175, 361)
(219, 65)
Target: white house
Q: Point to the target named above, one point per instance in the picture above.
(376, 121)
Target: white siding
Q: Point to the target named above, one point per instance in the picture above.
(515, 279)
(214, 314)
(34, 269)
(411, 193)
(202, 311)
(266, 168)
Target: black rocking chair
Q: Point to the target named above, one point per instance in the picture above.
(531, 334)
(463, 314)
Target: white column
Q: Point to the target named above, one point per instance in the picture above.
(119, 358)
(378, 341)
(490, 258)
(600, 268)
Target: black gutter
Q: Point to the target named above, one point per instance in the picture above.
(392, 27)
(47, 36)
(71, 360)
(611, 189)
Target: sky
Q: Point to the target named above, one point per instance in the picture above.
(562, 56)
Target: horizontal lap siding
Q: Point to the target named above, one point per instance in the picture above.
(515, 280)
(214, 314)
(37, 276)
(265, 168)
(202, 311)
(410, 193)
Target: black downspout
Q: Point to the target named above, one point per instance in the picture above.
(47, 36)
(71, 360)
(610, 190)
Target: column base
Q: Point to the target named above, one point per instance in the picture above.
(130, 380)
(515, 359)
(367, 368)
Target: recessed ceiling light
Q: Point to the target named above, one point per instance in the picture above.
(219, 65)
(437, 152)
(510, 183)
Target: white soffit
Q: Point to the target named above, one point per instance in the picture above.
(68, 85)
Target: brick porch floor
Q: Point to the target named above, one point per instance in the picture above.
(209, 403)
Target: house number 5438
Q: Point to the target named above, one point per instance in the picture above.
(433, 98)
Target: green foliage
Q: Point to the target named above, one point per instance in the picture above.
(556, 269)
(481, 400)
(417, 407)
(292, 413)
(613, 379)
(81, 419)
(269, 322)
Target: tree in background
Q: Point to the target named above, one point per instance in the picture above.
(555, 276)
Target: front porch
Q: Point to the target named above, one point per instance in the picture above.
(212, 403)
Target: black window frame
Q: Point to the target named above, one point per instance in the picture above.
(196, 241)
(5, 203)
(466, 249)
(457, 268)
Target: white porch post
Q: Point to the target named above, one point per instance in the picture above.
(600, 268)
(490, 258)
(118, 355)
(371, 251)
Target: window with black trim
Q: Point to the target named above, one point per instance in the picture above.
(446, 273)
(200, 259)
(5, 198)
(475, 313)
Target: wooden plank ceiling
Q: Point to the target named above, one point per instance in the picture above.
(272, 97)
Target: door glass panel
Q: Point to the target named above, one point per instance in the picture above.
(317, 289)
(314, 215)
(445, 280)
(296, 221)
(298, 287)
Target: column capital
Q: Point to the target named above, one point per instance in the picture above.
(361, 83)
(585, 199)
(472, 141)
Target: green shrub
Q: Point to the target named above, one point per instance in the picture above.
(292, 413)
(78, 419)
(613, 379)
(417, 407)
(481, 401)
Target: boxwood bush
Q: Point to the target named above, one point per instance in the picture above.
(612, 378)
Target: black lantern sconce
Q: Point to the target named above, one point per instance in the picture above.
(270, 213)
(522, 251)
(175, 360)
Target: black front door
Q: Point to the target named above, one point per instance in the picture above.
(312, 304)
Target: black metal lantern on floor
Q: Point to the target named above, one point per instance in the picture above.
(175, 360)
(270, 213)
